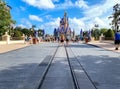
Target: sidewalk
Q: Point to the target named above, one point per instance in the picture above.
(9, 47)
(109, 45)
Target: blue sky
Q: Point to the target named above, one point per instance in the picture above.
(46, 14)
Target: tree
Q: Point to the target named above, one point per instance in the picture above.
(40, 32)
(109, 35)
(103, 31)
(17, 35)
(5, 17)
(116, 17)
(26, 31)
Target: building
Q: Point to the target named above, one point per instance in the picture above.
(64, 25)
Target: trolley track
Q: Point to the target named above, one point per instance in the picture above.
(46, 69)
(74, 78)
(76, 85)
(83, 70)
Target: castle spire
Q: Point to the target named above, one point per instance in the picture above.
(65, 14)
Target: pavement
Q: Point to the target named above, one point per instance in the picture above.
(94, 67)
(9, 47)
(108, 45)
(20, 69)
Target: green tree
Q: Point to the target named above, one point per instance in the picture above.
(103, 31)
(17, 35)
(26, 31)
(95, 33)
(40, 32)
(5, 17)
(115, 16)
(109, 35)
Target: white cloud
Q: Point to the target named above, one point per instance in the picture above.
(26, 23)
(81, 4)
(35, 18)
(76, 23)
(42, 4)
(65, 5)
(95, 14)
(49, 4)
(70, 4)
(99, 13)
(54, 23)
(100, 9)
(22, 26)
(49, 26)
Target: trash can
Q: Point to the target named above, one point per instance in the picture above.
(34, 41)
(86, 39)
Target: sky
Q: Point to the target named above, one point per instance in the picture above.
(46, 14)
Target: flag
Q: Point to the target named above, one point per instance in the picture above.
(55, 32)
(43, 32)
(89, 32)
(81, 32)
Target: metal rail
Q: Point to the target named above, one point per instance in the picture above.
(76, 85)
(46, 70)
(84, 69)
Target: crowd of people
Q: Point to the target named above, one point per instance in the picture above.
(62, 38)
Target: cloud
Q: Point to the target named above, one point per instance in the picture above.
(65, 5)
(94, 14)
(22, 26)
(54, 23)
(81, 4)
(49, 26)
(76, 23)
(99, 13)
(49, 4)
(41, 4)
(25, 23)
(100, 9)
(69, 4)
(35, 18)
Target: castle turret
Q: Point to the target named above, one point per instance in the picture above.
(64, 24)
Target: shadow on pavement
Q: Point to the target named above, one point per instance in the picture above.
(103, 70)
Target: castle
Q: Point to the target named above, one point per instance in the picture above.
(64, 27)
(64, 24)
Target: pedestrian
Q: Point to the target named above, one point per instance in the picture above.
(117, 40)
(67, 39)
(62, 38)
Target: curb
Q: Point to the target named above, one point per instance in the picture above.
(15, 49)
(103, 48)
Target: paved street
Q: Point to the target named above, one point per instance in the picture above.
(20, 66)
(101, 65)
(99, 68)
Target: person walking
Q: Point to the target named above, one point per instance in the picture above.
(62, 38)
(117, 40)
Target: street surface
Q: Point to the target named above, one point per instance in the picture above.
(101, 65)
(99, 68)
(20, 67)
